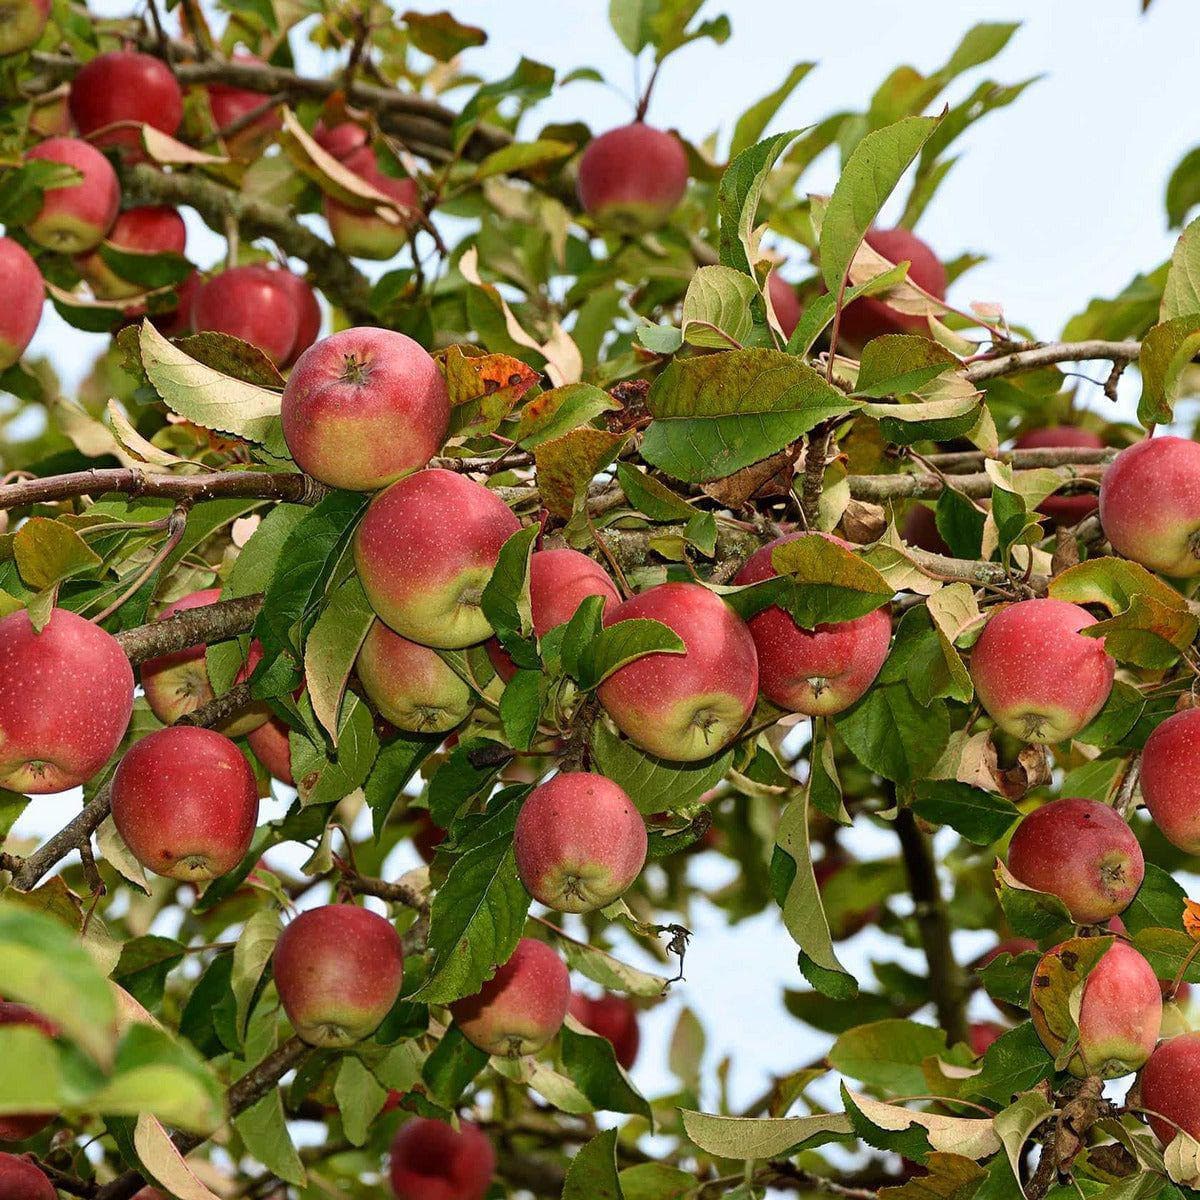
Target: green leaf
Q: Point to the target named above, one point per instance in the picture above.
(521, 708)
(609, 972)
(622, 643)
(31, 1081)
(592, 1174)
(47, 552)
(654, 784)
(892, 734)
(1030, 913)
(144, 965)
(359, 1099)
(560, 410)
(869, 177)
(717, 308)
(591, 1064)
(1166, 351)
(1015, 1062)
(657, 1181)
(149, 271)
(566, 465)
(324, 779)
(981, 817)
(818, 312)
(1183, 188)
(440, 36)
(1181, 293)
(888, 1054)
(898, 364)
(451, 1066)
(738, 197)
(651, 497)
(750, 1138)
(505, 600)
(751, 124)
(523, 156)
(468, 774)
(255, 945)
(331, 649)
(397, 762)
(716, 414)
(1159, 902)
(530, 81)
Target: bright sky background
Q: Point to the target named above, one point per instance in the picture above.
(1063, 190)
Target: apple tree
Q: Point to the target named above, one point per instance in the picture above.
(560, 505)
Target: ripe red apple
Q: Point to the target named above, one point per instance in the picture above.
(412, 686)
(272, 748)
(579, 842)
(817, 671)
(427, 836)
(425, 551)
(869, 317)
(338, 971)
(149, 230)
(22, 24)
(308, 312)
(684, 707)
(75, 218)
(1170, 768)
(249, 303)
(177, 321)
(633, 178)
(229, 104)
(1064, 510)
(177, 684)
(66, 695)
(340, 140)
(186, 802)
(16, 1127)
(784, 301)
(1119, 1014)
(1082, 852)
(982, 1034)
(21, 1180)
(919, 528)
(559, 582)
(121, 86)
(361, 232)
(433, 1161)
(1150, 505)
(1169, 1084)
(1038, 677)
(348, 396)
(521, 1007)
(612, 1017)
(22, 291)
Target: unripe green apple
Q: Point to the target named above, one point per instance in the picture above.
(22, 24)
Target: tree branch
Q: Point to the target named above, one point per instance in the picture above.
(191, 627)
(1054, 352)
(926, 486)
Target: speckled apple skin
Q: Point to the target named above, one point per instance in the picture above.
(75, 218)
(560, 580)
(66, 695)
(684, 707)
(579, 842)
(272, 748)
(521, 1008)
(818, 671)
(1170, 769)
(360, 232)
(1150, 505)
(363, 408)
(433, 1161)
(249, 303)
(21, 1180)
(611, 1017)
(151, 229)
(338, 970)
(22, 291)
(124, 85)
(869, 317)
(425, 551)
(177, 684)
(308, 312)
(186, 802)
(412, 686)
(16, 1127)
(1038, 677)
(632, 178)
(1082, 852)
(1119, 1016)
(1170, 1085)
(1064, 510)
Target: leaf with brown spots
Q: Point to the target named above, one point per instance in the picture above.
(1191, 919)
(231, 356)
(566, 465)
(484, 388)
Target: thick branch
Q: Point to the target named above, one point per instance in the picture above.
(1048, 355)
(393, 893)
(192, 627)
(132, 481)
(927, 486)
(1043, 456)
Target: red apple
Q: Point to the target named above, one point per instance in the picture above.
(425, 551)
(308, 312)
(21, 1180)
(122, 86)
(75, 218)
(1064, 510)
(338, 971)
(361, 232)
(22, 24)
(521, 1007)
(411, 686)
(251, 304)
(817, 671)
(272, 748)
(1170, 769)
(869, 317)
(1170, 1083)
(919, 529)
(340, 140)
(559, 582)
(177, 321)
(229, 104)
(1082, 852)
(148, 230)
(177, 684)
(633, 178)
(347, 397)
(1119, 1014)
(16, 1127)
(427, 836)
(22, 291)
(186, 802)
(433, 1161)
(982, 1034)
(784, 301)
(1150, 505)
(66, 695)
(684, 707)
(579, 842)
(612, 1017)
(1038, 677)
